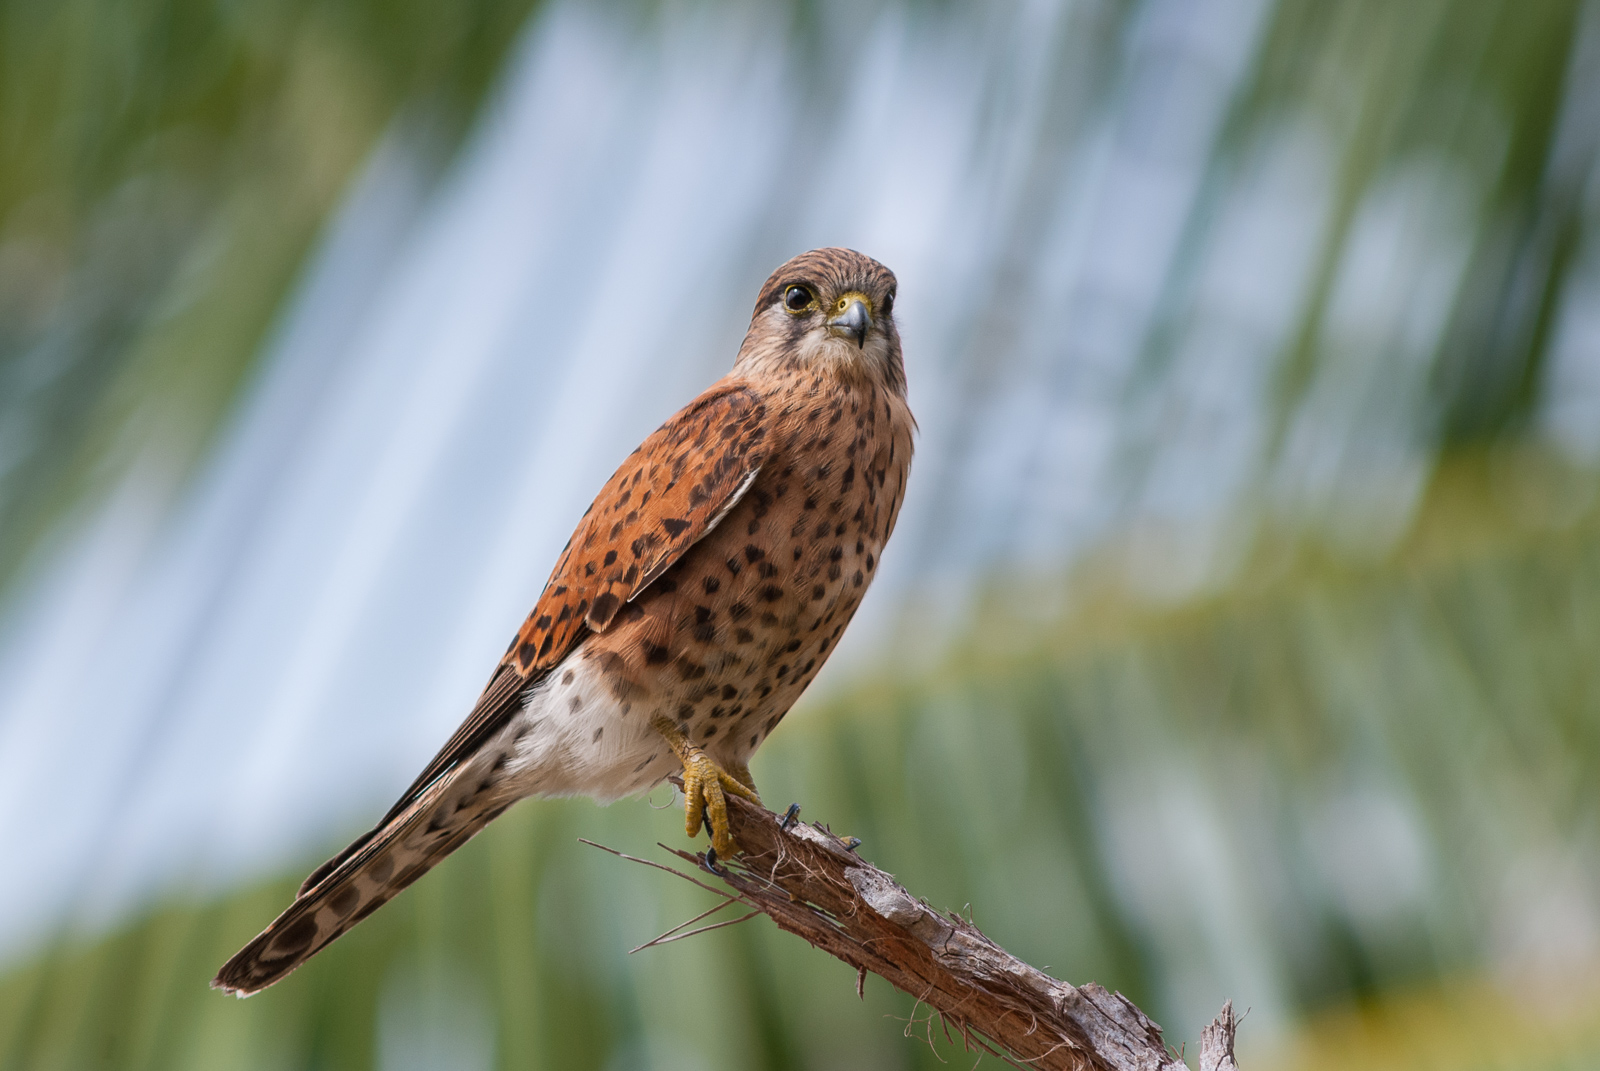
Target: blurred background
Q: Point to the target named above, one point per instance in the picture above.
(1240, 638)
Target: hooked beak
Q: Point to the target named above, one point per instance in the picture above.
(853, 322)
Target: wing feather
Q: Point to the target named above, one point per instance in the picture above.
(669, 494)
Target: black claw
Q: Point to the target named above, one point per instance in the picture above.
(711, 858)
(790, 816)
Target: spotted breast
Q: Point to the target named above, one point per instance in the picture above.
(695, 601)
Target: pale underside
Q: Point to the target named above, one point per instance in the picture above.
(573, 737)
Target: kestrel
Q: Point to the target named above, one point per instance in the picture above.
(699, 595)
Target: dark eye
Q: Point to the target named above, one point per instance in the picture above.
(797, 299)
(888, 303)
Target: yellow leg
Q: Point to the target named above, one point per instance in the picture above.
(704, 783)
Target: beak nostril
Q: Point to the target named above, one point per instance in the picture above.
(853, 320)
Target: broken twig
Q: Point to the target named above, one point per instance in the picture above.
(811, 884)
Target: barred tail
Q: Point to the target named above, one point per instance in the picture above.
(362, 878)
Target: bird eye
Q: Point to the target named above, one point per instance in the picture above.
(888, 303)
(797, 299)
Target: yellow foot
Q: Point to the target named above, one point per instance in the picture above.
(704, 783)
(741, 773)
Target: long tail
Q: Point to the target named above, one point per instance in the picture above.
(364, 877)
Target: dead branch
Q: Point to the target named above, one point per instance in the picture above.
(1216, 1042)
(813, 885)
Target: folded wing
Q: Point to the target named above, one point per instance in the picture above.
(670, 492)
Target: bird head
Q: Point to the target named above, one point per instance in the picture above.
(829, 309)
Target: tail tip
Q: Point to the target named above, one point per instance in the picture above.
(223, 987)
(229, 981)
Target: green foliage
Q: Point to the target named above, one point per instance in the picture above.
(1051, 780)
(1434, 716)
(163, 168)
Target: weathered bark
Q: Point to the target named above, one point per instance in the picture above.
(1216, 1042)
(812, 884)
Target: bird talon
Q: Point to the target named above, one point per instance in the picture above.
(790, 817)
(705, 789)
